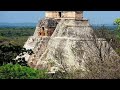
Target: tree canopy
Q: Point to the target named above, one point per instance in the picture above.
(117, 22)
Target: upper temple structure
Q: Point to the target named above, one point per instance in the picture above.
(77, 15)
(52, 18)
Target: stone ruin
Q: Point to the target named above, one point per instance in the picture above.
(65, 41)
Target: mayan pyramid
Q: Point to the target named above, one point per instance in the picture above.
(64, 40)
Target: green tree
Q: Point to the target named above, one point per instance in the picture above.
(9, 52)
(117, 22)
(10, 71)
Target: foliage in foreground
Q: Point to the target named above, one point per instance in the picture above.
(17, 71)
(9, 52)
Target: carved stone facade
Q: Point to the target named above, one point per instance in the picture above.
(46, 27)
(78, 15)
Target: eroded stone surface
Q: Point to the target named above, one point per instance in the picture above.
(72, 44)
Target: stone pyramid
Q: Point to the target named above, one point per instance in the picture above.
(67, 45)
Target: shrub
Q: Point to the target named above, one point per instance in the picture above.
(10, 71)
(9, 52)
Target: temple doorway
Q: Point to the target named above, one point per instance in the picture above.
(60, 14)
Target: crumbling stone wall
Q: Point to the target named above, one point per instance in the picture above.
(78, 15)
(46, 27)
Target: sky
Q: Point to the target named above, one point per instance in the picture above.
(95, 17)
